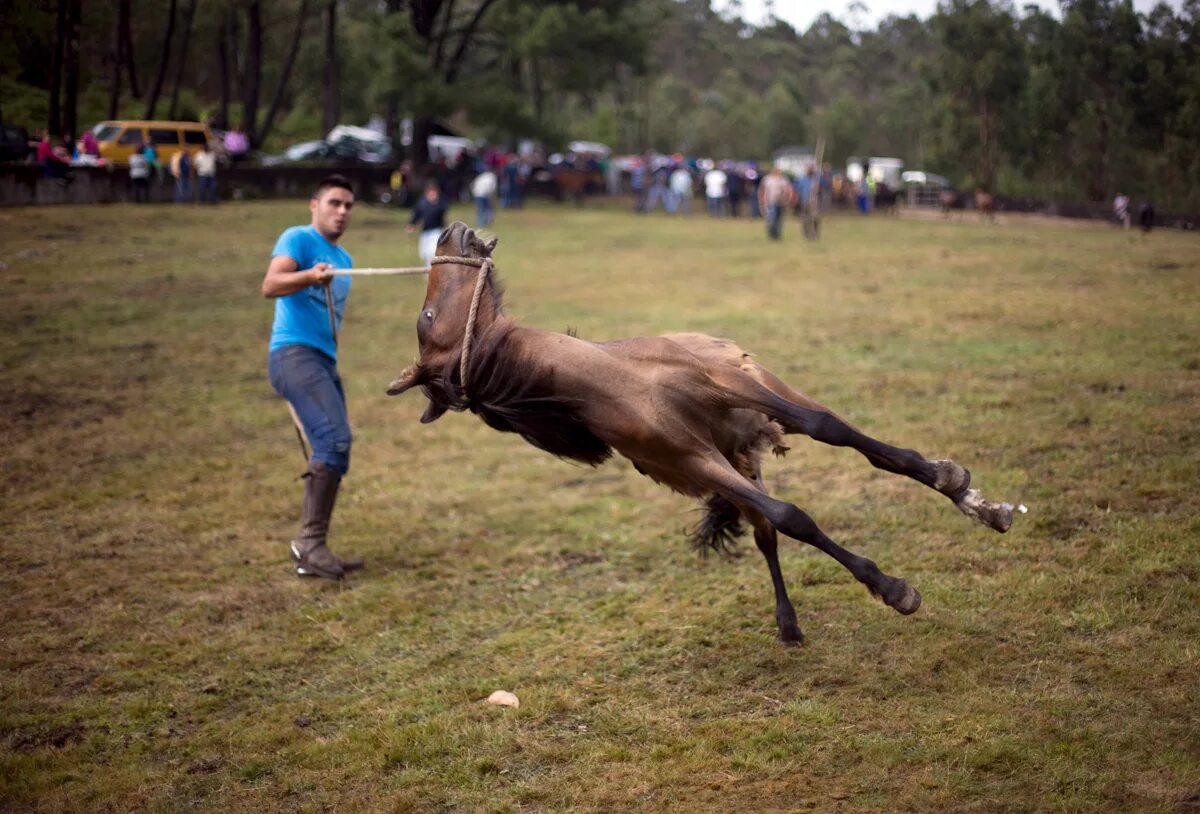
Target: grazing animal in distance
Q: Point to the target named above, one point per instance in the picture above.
(1146, 216)
(885, 198)
(948, 200)
(690, 411)
(985, 205)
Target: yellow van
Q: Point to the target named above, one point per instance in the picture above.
(119, 139)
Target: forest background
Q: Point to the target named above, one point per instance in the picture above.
(1097, 100)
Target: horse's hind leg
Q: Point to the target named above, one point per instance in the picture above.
(767, 393)
(725, 480)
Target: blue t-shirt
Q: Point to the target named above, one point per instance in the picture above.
(302, 318)
(804, 188)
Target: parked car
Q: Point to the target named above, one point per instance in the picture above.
(118, 139)
(345, 144)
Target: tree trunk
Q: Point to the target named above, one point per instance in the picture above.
(71, 66)
(156, 90)
(118, 59)
(459, 59)
(127, 37)
(391, 119)
(223, 37)
(188, 17)
(281, 88)
(535, 70)
(421, 129)
(252, 75)
(54, 120)
(333, 89)
(987, 168)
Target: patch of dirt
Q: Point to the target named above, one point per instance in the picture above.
(573, 559)
(45, 407)
(1065, 526)
(206, 766)
(1102, 388)
(53, 737)
(1189, 800)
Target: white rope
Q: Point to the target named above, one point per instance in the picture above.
(485, 266)
(381, 272)
(469, 335)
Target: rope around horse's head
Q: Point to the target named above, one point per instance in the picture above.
(485, 266)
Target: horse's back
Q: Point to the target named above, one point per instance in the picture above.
(712, 350)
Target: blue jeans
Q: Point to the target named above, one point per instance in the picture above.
(208, 188)
(774, 220)
(309, 380)
(183, 190)
(716, 206)
(484, 214)
(659, 192)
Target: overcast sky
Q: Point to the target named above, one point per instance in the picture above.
(801, 13)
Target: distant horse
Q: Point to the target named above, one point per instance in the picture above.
(1146, 216)
(985, 205)
(690, 411)
(885, 198)
(948, 199)
(574, 183)
(844, 191)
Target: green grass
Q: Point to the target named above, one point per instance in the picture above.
(158, 654)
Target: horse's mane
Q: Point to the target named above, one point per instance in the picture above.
(509, 398)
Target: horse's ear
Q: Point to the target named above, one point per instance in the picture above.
(490, 245)
(433, 412)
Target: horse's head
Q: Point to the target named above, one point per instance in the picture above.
(442, 323)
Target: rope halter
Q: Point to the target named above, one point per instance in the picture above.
(485, 266)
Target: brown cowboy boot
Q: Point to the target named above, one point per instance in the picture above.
(313, 558)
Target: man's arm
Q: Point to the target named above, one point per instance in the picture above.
(282, 277)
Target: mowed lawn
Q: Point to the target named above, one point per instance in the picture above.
(157, 652)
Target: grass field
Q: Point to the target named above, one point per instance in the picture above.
(158, 654)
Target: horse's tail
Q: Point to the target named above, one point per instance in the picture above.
(719, 529)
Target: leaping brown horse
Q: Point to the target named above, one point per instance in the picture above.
(690, 411)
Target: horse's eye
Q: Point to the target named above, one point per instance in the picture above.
(427, 316)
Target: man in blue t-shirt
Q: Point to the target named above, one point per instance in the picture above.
(302, 362)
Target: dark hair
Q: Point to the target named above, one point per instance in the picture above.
(332, 182)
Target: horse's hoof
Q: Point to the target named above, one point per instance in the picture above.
(904, 598)
(998, 516)
(790, 634)
(793, 639)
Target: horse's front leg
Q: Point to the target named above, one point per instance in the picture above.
(719, 476)
(767, 540)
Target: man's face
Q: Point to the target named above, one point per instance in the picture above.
(331, 211)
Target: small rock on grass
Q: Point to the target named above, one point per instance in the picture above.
(504, 698)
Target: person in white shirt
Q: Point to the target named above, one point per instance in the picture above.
(681, 189)
(715, 183)
(139, 174)
(1121, 210)
(483, 190)
(205, 164)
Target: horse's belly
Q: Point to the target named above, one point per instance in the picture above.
(669, 476)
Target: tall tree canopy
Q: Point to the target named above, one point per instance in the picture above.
(1098, 100)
